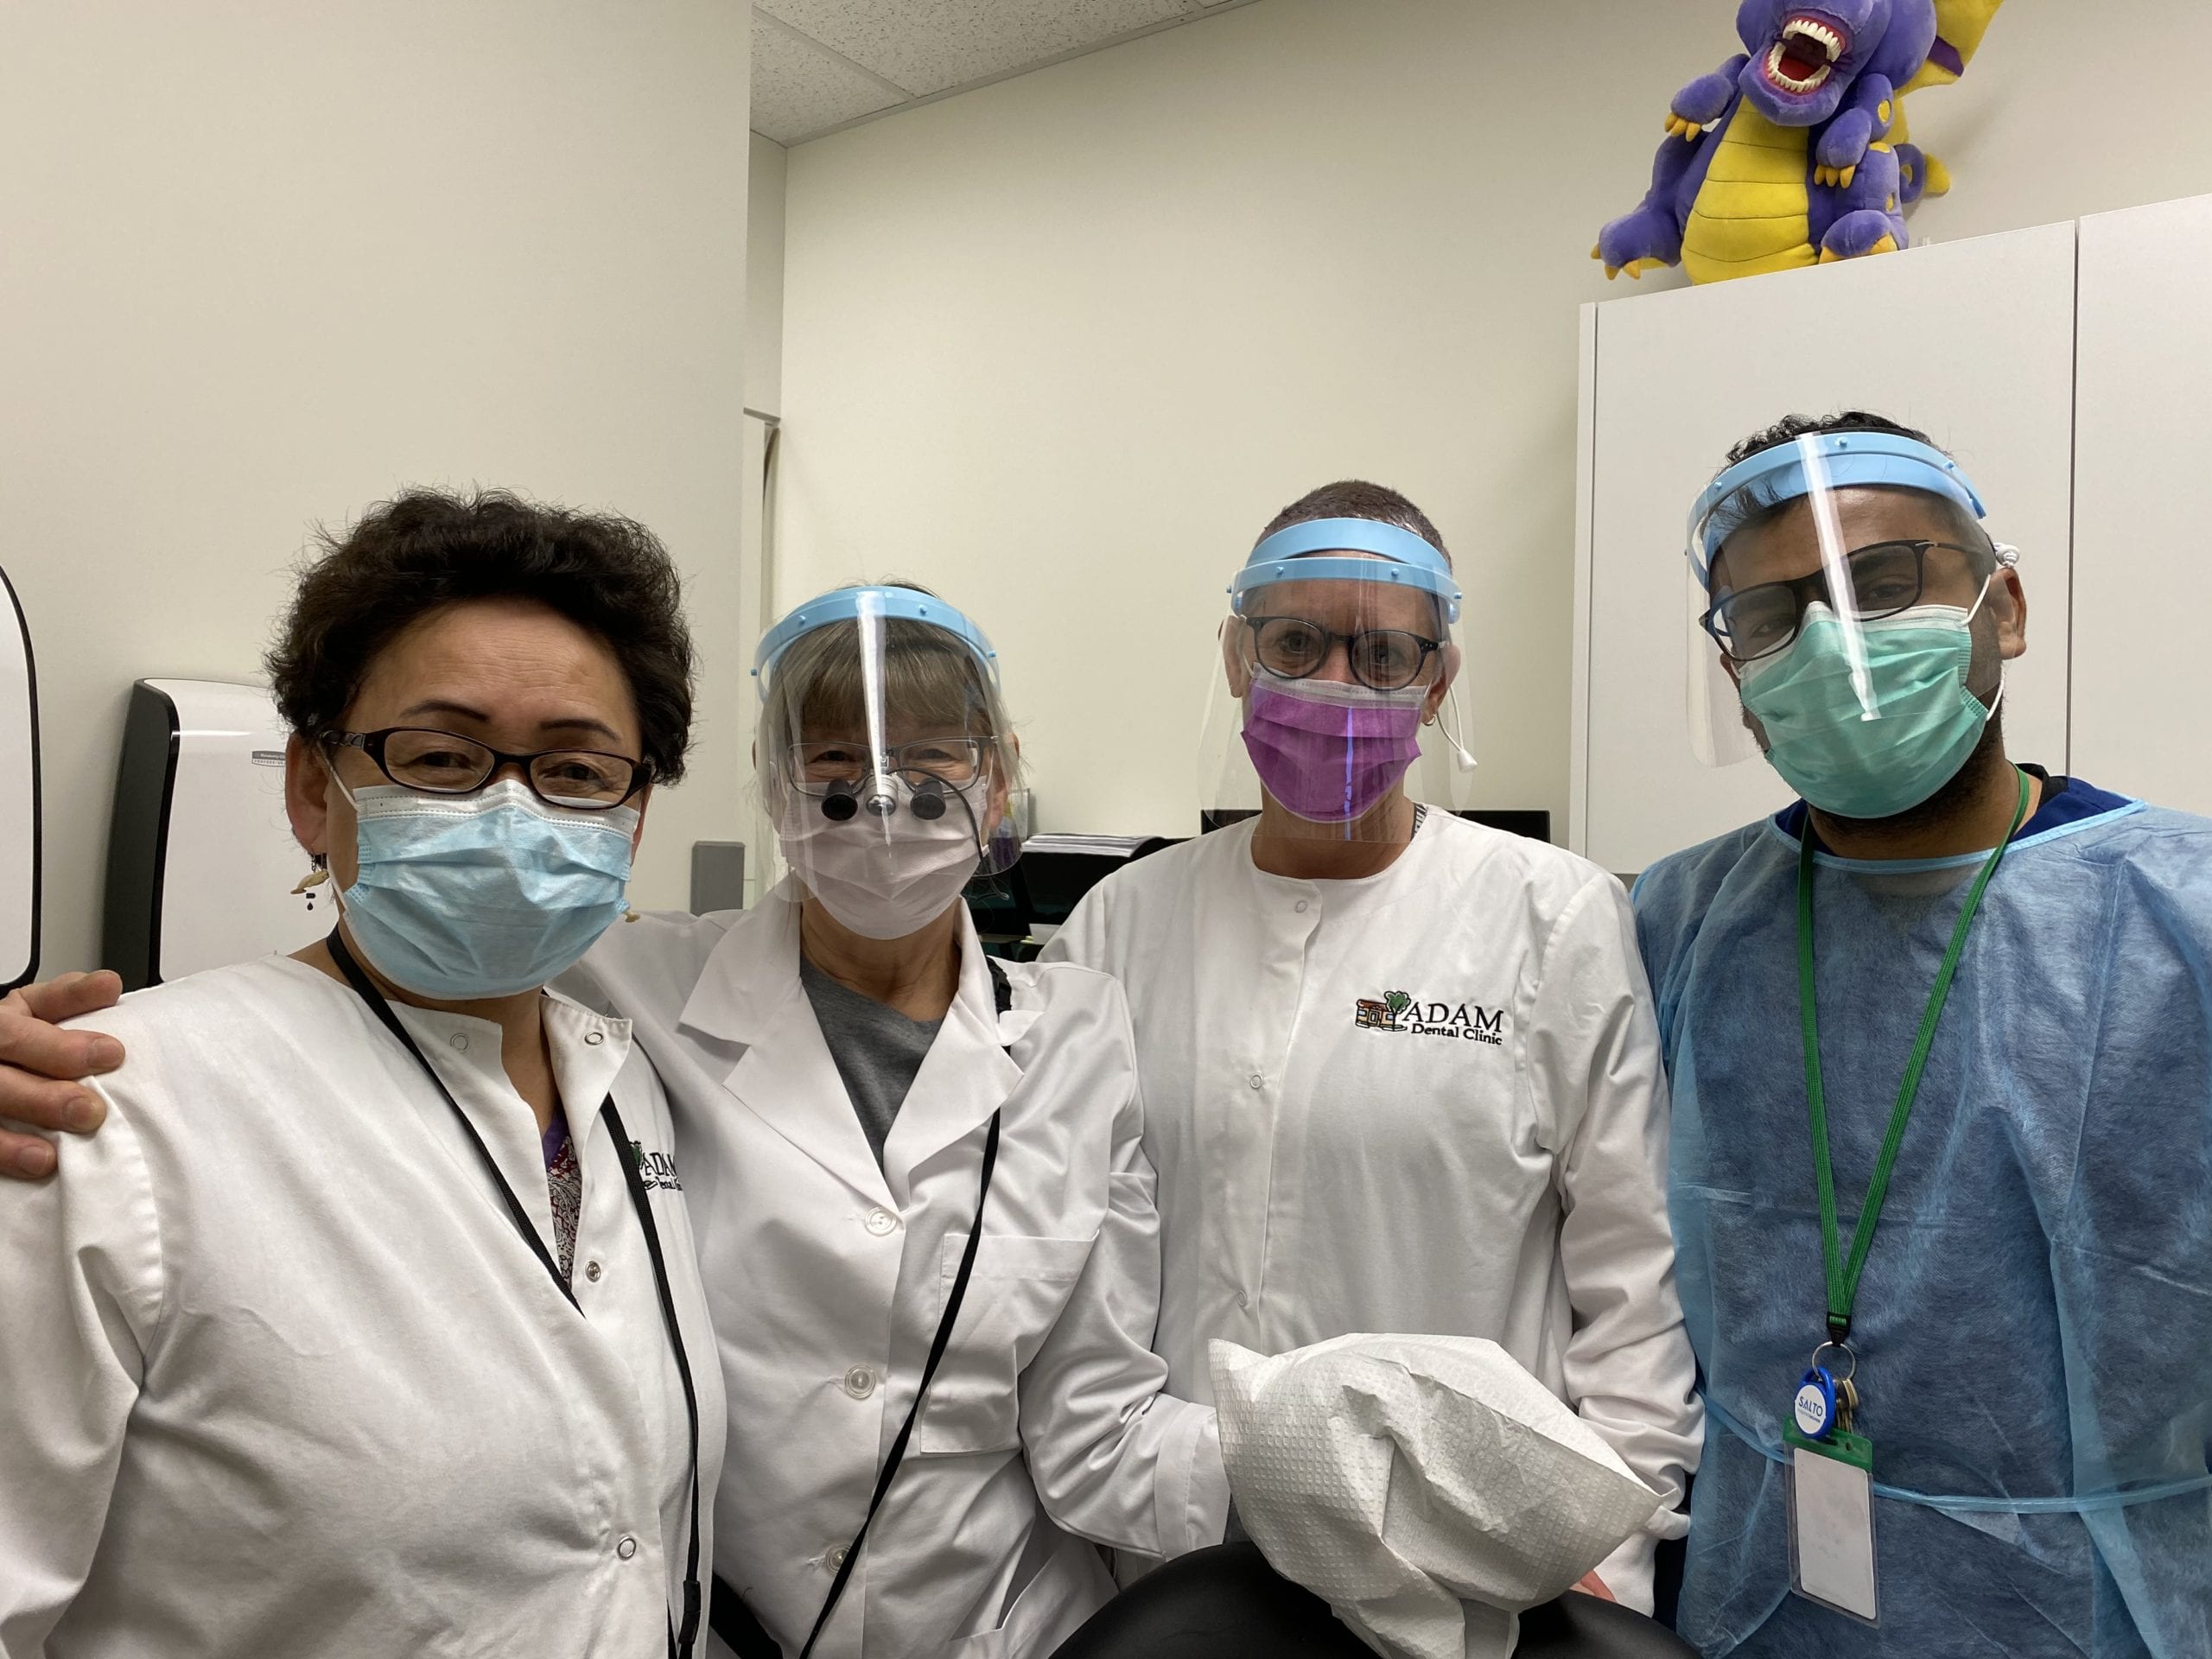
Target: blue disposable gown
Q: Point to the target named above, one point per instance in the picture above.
(2034, 1323)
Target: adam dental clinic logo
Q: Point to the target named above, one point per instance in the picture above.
(656, 1170)
(1468, 1022)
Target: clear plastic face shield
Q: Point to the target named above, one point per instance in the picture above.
(1333, 683)
(884, 754)
(1832, 584)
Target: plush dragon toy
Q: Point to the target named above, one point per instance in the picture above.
(1795, 152)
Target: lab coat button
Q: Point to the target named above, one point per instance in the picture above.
(626, 1548)
(591, 1271)
(860, 1382)
(1259, 1082)
(835, 1559)
(460, 1041)
(1301, 907)
(880, 1222)
(594, 1039)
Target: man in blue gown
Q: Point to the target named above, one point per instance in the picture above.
(2027, 1298)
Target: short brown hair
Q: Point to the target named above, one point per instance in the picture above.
(1355, 497)
(425, 548)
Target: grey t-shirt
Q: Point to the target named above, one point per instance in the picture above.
(878, 1049)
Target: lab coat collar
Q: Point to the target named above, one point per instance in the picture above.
(966, 1076)
(750, 993)
(750, 973)
(587, 1051)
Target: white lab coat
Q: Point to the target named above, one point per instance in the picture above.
(828, 1276)
(281, 1377)
(1489, 1164)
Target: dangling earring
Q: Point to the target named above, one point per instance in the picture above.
(314, 878)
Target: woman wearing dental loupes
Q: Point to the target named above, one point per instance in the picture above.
(1400, 1072)
(845, 1064)
(852, 1080)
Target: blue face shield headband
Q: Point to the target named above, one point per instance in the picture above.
(1836, 461)
(1300, 552)
(848, 604)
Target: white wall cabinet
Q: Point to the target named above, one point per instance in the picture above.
(2087, 438)
(2142, 639)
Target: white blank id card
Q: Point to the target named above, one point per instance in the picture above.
(1832, 1532)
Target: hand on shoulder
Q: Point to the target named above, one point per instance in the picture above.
(42, 1065)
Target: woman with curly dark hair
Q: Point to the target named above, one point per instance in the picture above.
(868, 1112)
(372, 1324)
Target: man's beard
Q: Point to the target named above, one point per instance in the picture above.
(1960, 791)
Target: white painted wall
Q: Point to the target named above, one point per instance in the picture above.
(764, 396)
(260, 263)
(763, 277)
(1062, 345)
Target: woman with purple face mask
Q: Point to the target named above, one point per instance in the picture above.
(1400, 1071)
(1338, 659)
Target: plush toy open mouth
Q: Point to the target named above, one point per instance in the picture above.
(1801, 59)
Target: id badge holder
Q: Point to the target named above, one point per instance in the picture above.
(1832, 1521)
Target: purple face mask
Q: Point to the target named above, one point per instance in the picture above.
(1329, 751)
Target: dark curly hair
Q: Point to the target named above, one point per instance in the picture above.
(425, 548)
(1756, 505)
(1790, 428)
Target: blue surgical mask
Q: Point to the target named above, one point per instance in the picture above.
(463, 897)
(1818, 736)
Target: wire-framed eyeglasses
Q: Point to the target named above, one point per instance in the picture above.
(1886, 577)
(817, 767)
(1382, 659)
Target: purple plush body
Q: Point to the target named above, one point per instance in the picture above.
(1835, 69)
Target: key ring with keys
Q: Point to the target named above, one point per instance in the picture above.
(1843, 1348)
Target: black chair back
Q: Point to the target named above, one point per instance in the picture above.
(1227, 1602)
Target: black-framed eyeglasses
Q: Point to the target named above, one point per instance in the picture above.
(1382, 659)
(446, 763)
(1886, 577)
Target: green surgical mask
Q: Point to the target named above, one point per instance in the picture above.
(1818, 735)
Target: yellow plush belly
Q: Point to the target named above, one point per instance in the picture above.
(1750, 215)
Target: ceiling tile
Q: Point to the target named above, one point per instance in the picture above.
(926, 46)
(799, 90)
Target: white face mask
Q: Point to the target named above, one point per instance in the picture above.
(884, 878)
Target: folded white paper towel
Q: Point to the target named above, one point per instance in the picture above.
(1428, 1488)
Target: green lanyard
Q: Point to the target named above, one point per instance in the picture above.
(1842, 1275)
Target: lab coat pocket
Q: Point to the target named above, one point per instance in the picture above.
(1016, 1292)
(1060, 1596)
